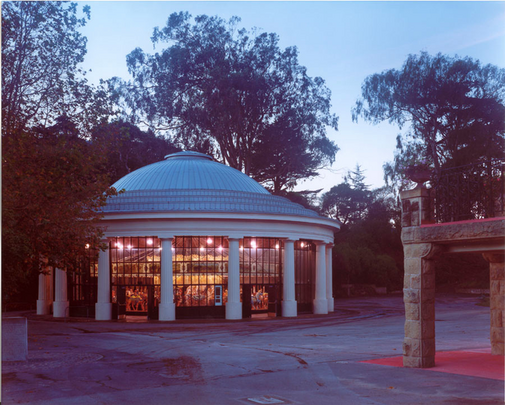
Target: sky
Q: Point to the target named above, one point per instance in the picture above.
(342, 42)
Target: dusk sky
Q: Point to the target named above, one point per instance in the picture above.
(342, 42)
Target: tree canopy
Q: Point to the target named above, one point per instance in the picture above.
(41, 79)
(53, 178)
(126, 148)
(348, 201)
(53, 187)
(234, 92)
(454, 108)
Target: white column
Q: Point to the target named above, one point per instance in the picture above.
(167, 305)
(233, 305)
(60, 305)
(45, 298)
(329, 278)
(320, 302)
(289, 301)
(103, 308)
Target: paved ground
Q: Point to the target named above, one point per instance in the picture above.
(308, 360)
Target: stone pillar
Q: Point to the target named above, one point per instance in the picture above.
(60, 305)
(103, 308)
(233, 305)
(416, 207)
(329, 277)
(289, 308)
(320, 302)
(45, 296)
(167, 305)
(497, 298)
(419, 299)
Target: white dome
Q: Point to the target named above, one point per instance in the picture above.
(188, 171)
(194, 182)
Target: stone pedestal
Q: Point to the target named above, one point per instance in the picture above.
(14, 339)
(419, 299)
(497, 301)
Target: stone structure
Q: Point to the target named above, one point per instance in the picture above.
(423, 241)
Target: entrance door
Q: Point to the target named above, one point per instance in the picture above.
(272, 300)
(152, 302)
(121, 302)
(246, 301)
(136, 300)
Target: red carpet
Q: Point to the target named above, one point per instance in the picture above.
(475, 364)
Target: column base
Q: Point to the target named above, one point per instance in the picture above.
(167, 312)
(103, 311)
(289, 308)
(320, 306)
(233, 310)
(418, 362)
(60, 309)
(43, 307)
(331, 304)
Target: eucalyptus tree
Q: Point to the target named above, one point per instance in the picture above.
(234, 92)
(41, 78)
(452, 107)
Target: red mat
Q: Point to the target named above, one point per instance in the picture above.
(475, 364)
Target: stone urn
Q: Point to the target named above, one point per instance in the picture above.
(419, 174)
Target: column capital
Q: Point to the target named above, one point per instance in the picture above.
(319, 242)
(233, 238)
(289, 239)
(162, 238)
(330, 245)
(494, 257)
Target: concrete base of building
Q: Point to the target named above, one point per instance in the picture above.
(331, 304)
(43, 307)
(321, 306)
(167, 312)
(289, 308)
(60, 309)
(103, 311)
(233, 310)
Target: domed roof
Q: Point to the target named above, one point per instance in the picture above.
(194, 182)
(188, 171)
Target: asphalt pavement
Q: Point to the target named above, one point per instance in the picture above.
(307, 360)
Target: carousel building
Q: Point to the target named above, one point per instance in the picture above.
(189, 237)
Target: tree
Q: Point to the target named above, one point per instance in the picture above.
(53, 182)
(236, 93)
(454, 108)
(348, 201)
(126, 148)
(53, 188)
(41, 80)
